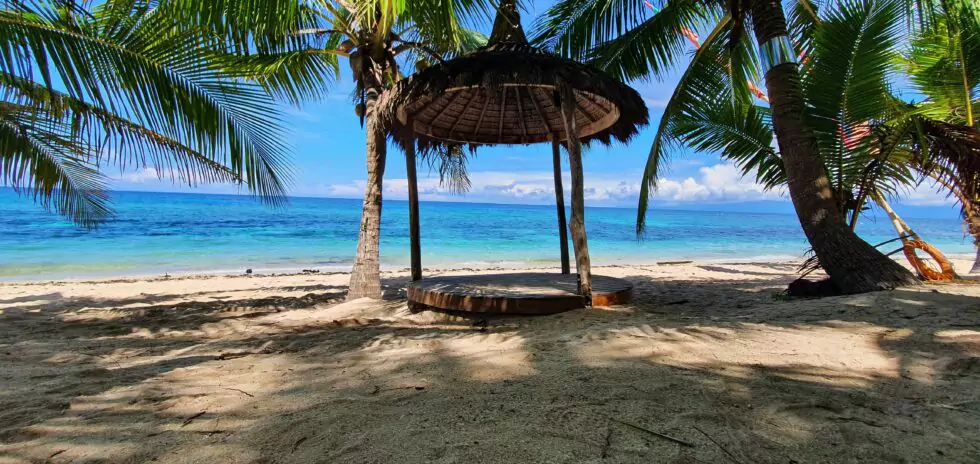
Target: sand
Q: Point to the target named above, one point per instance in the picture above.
(709, 364)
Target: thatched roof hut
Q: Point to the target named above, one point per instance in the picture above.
(512, 93)
(508, 92)
(505, 93)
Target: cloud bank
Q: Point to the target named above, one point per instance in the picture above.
(721, 183)
(716, 184)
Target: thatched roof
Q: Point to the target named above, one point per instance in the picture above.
(507, 93)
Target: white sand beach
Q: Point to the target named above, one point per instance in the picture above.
(710, 363)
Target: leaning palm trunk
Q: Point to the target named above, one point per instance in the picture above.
(901, 228)
(365, 279)
(852, 264)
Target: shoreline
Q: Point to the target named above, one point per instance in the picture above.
(962, 262)
(392, 271)
(194, 236)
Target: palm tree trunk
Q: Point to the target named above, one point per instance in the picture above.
(365, 279)
(579, 238)
(560, 203)
(904, 231)
(976, 263)
(852, 264)
(413, 212)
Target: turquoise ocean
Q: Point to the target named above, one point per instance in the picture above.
(176, 233)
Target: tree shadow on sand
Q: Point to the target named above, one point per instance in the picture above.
(56, 303)
(737, 372)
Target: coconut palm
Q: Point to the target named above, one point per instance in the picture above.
(944, 65)
(872, 143)
(845, 99)
(297, 60)
(619, 36)
(87, 85)
(947, 154)
(951, 156)
(378, 38)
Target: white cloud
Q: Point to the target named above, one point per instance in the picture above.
(925, 194)
(655, 103)
(721, 183)
(140, 177)
(152, 180)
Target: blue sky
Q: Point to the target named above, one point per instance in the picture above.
(329, 162)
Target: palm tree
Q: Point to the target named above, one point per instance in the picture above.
(944, 65)
(378, 38)
(951, 157)
(871, 141)
(616, 36)
(88, 85)
(843, 109)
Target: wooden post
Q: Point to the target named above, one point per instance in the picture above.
(560, 202)
(413, 212)
(577, 224)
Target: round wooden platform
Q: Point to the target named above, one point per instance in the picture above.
(519, 293)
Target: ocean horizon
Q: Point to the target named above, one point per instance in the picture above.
(155, 233)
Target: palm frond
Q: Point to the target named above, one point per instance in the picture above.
(952, 157)
(944, 62)
(740, 133)
(703, 79)
(300, 74)
(621, 37)
(572, 28)
(848, 85)
(803, 21)
(162, 77)
(655, 46)
(856, 49)
(449, 25)
(451, 164)
(888, 167)
(39, 158)
(245, 26)
(105, 138)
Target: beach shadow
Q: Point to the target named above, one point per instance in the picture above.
(559, 404)
(583, 386)
(728, 270)
(55, 303)
(32, 298)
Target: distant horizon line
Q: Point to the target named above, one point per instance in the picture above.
(679, 207)
(662, 207)
(670, 208)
